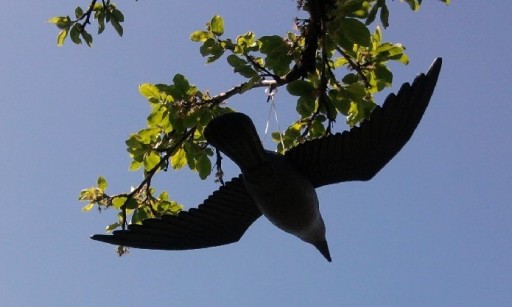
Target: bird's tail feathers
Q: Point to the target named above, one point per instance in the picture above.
(234, 134)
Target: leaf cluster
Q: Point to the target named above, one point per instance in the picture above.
(153, 206)
(104, 12)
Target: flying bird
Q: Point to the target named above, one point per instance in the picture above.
(282, 187)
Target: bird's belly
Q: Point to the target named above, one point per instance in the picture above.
(285, 197)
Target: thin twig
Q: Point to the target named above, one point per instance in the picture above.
(354, 66)
(149, 175)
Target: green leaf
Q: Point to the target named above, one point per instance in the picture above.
(111, 227)
(246, 43)
(74, 34)
(131, 204)
(278, 55)
(350, 78)
(300, 88)
(163, 196)
(384, 77)
(151, 159)
(62, 37)
(118, 202)
(212, 48)
(372, 14)
(305, 106)
(100, 16)
(102, 183)
(141, 214)
(404, 59)
(356, 32)
(62, 22)
(200, 36)
(413, 4)
(117, 26)
(87, 37)
(159, 118)
(88, 207)
(181, 83)
(217, 25)
(79, 12)
(135, 165)
(148, 135)
(149, 90)
(118, 15)
(384, 16)
(203, 166)
(317, 128)
(356, 91)
(97, 6)
(179, 159)
(235, 61)
(241, 66)
(358, 111)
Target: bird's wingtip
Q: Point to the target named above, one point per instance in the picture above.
(101, 238)
(435, 68)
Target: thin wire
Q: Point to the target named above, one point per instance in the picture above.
(271, 93)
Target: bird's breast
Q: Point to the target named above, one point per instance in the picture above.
(283, 194)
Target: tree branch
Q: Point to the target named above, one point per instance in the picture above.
(149, 175)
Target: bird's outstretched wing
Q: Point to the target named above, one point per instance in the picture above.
(222, 219)
(363, 151)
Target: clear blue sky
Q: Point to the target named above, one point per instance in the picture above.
(434, 228)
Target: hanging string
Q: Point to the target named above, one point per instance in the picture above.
(271, 93)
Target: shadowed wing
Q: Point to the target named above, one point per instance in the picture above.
(361, 152)
(222, 219)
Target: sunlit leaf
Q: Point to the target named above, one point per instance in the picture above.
(179, 159)
(135, 165)
(149, 90)
(217, 25)
(151, 159)
(62, 37)
(118, 202)
(112, 227)
(102, 183)
(88, 207)
(62, 22)
(200, 36)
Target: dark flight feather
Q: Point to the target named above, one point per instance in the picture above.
(222, 219)
(361, 152)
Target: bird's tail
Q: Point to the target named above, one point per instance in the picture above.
(234, 134)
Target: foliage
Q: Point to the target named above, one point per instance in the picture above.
(335, 35)
(76, 29)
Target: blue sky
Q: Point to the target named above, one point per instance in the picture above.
(433, 228)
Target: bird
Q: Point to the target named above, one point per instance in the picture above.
(281, 187)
